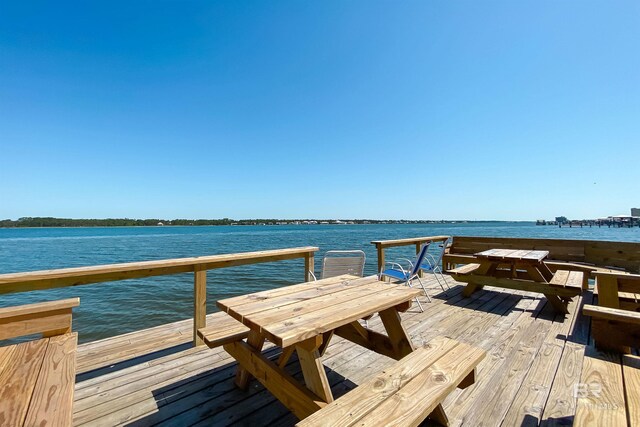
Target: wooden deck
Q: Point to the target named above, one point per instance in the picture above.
(535, 357)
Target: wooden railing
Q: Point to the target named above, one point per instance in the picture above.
(381, 245)
(48, 279)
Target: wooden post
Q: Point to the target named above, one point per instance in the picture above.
(380, 249)
(199, 303)
(607, 287)
(308, 267)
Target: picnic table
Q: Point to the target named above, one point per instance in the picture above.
(303, 318)
(520, 269)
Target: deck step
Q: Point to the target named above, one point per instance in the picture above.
(223, 329)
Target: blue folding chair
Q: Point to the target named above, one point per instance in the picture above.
(431, 264)
(407, 276)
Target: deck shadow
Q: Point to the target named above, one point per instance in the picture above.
(482, 300)
(212, 396)
(136, 360)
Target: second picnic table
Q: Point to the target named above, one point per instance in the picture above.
(520, 269)
(303, 318)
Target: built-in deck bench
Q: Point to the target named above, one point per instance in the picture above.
(615, 321)
(407, 393)
(37, 377)
(222, 329)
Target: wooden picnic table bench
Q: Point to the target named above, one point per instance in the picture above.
(303, 318)
(586, 256)
(408, 392)
(520, 269)
(37, 377)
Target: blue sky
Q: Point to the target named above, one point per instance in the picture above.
(352, 109)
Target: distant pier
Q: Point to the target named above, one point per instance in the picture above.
(611, 222)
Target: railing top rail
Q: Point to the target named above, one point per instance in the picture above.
(45, 279)
(581, 242)
(619, 274)
(410, 241)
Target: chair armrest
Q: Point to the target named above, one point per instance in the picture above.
(49, 318)
(395, 264)
(608, 313)
(430, 259)
(408, 261)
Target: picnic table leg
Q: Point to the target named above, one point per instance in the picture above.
(256, 341)
(400, 341)
(486, 268)
(315, 377)
(285, 356)
(557, 303)
(470, 289)
(535, 274)
(438, 416)
(326, 339)
(545, 271)
(295, 396)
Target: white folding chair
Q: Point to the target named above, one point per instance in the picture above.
(336, 263)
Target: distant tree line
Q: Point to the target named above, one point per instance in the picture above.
(108, 222)
(127, 222)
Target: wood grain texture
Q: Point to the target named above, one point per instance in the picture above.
(601, 394)
(357, 403)
(222, 329)
(400, 341)
(40, 307)
(289, 315)
(255, 341)
(297, 398)
(18, 380)
(410, 405)
(199, 303)
(299, 328)
(314, 376)
(631, 374)
(27, 324)
(52, 401)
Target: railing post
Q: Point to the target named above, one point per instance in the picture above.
(309, 263)
(418, 248)
(380, 249)
(199, 303)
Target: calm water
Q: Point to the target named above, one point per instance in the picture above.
(109, 309)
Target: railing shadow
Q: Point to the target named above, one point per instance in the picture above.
(135, 360)
(212, 396)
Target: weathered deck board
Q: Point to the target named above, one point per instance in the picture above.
(533, 356)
